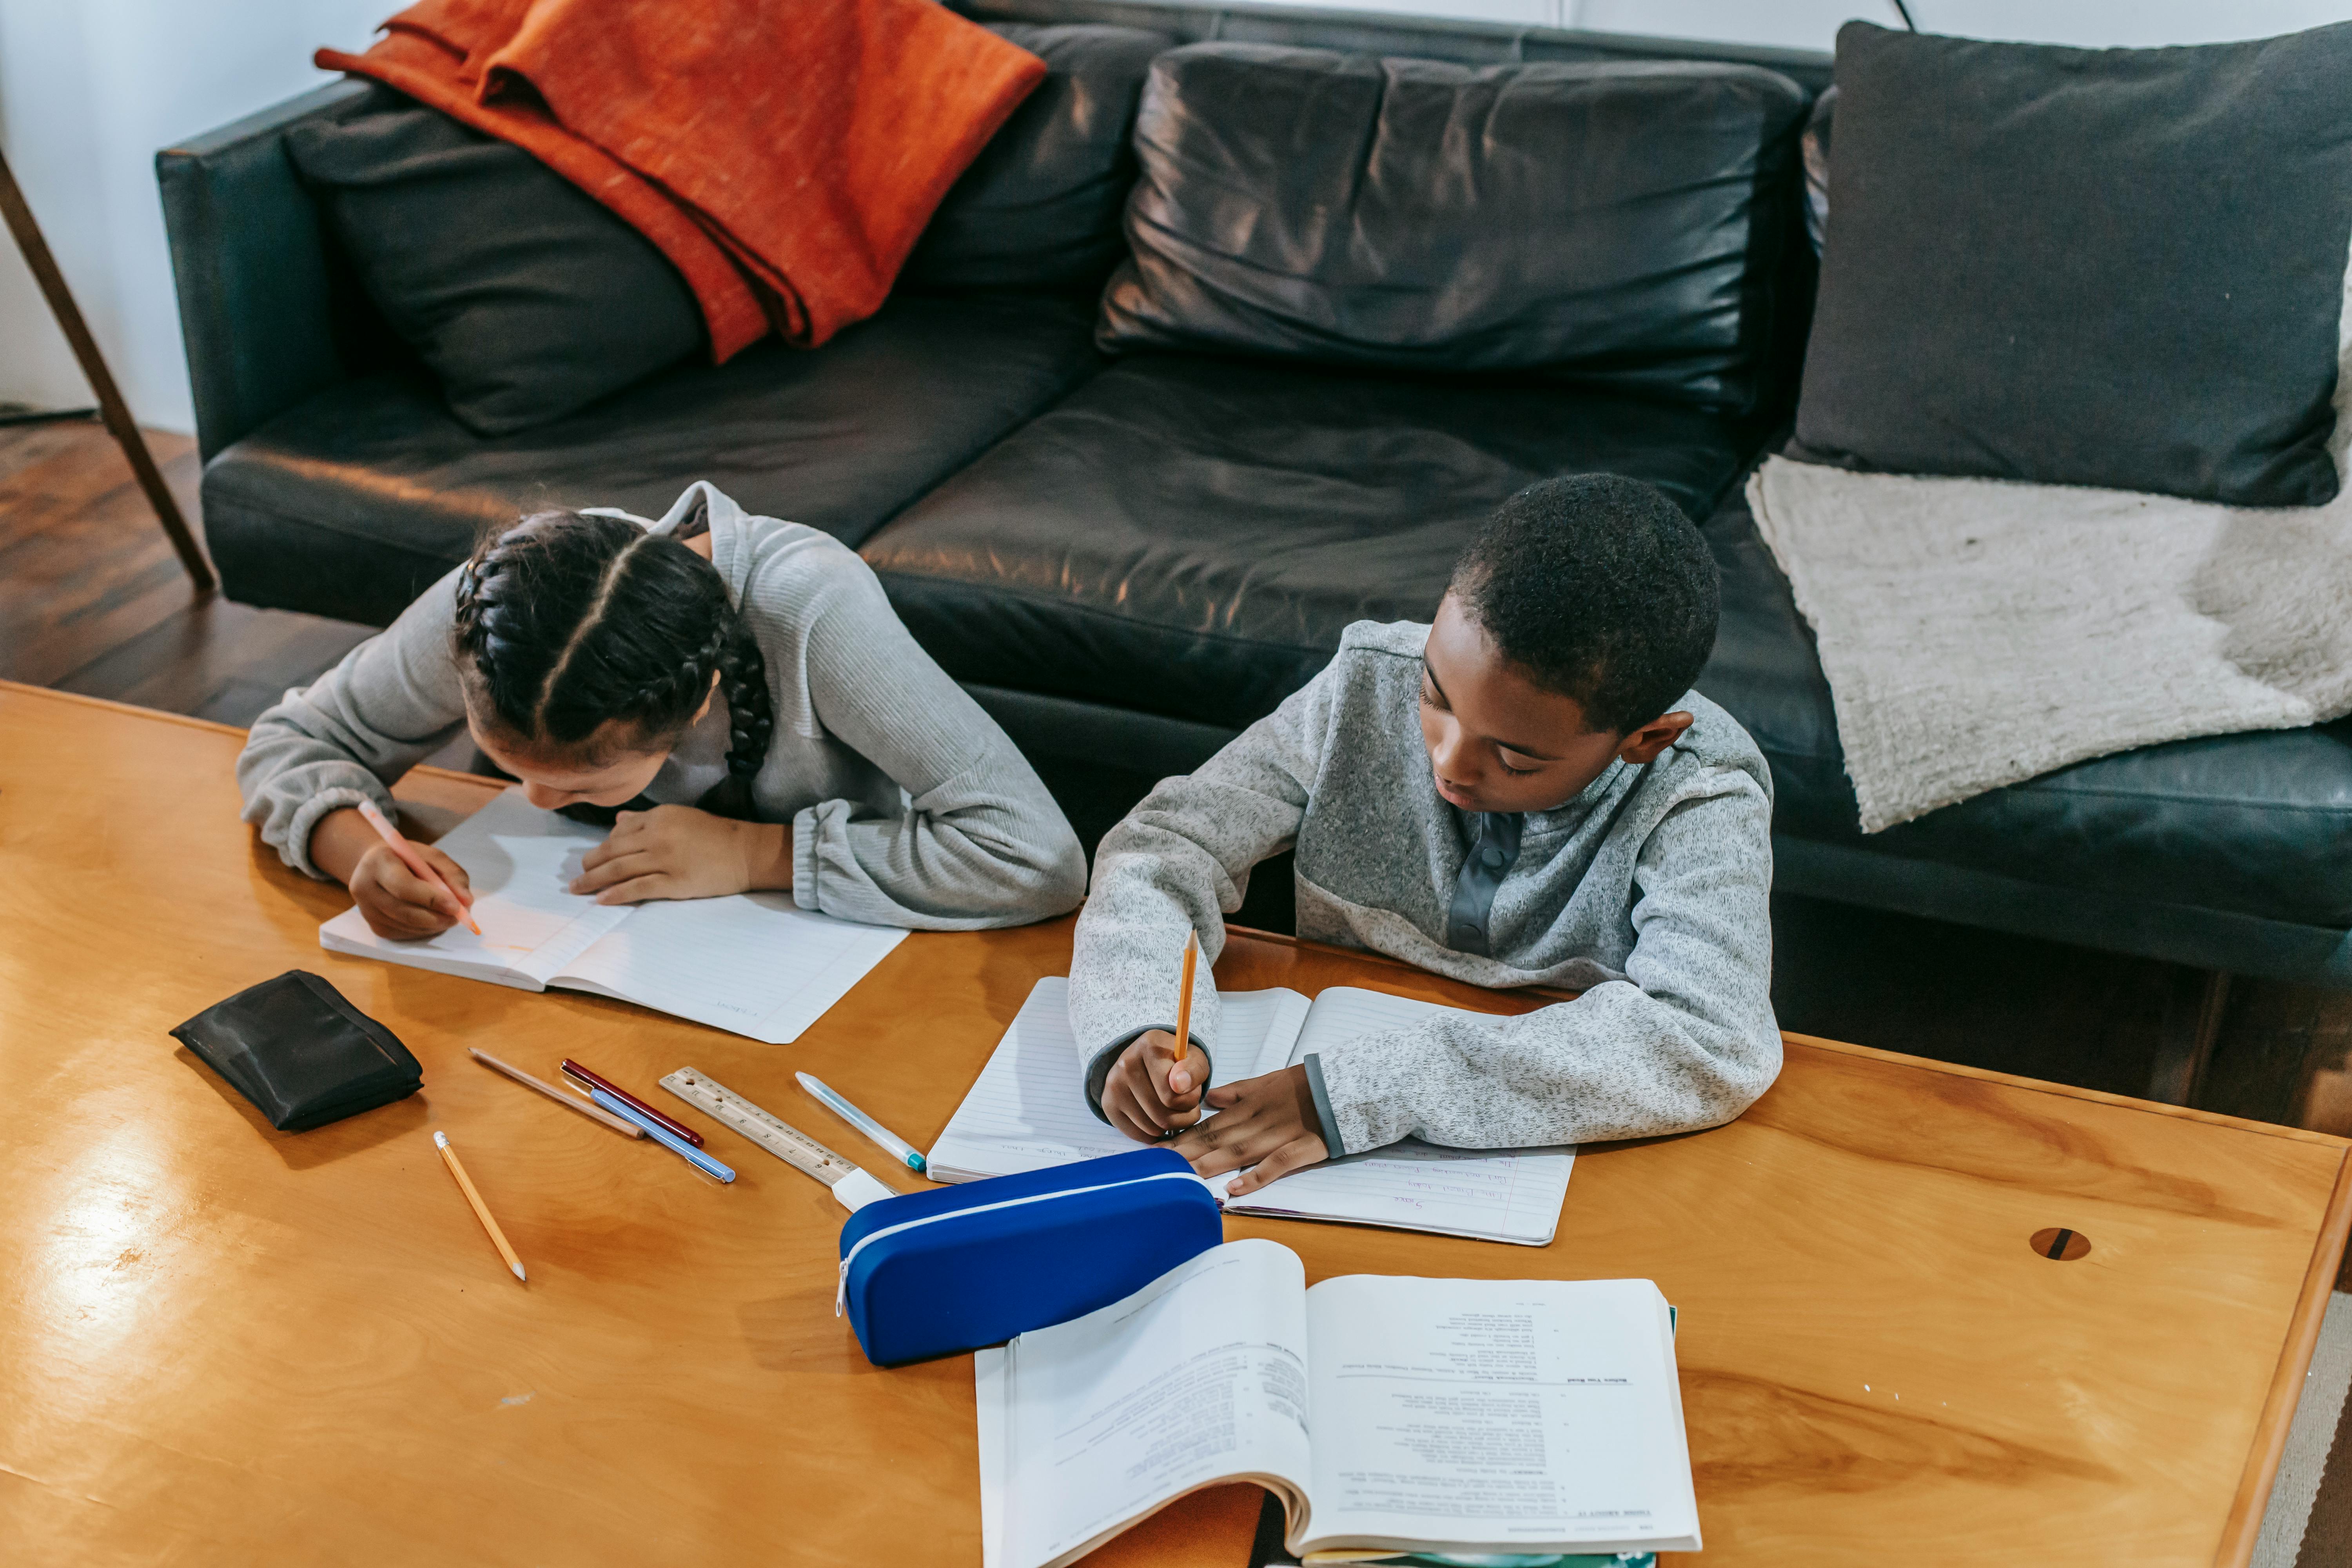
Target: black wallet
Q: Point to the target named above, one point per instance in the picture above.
(304, 1055)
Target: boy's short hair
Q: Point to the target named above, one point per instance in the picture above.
(1599, 588)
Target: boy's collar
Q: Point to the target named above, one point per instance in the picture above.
(1584, 800)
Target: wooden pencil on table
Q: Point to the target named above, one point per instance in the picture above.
(569, 1102)
(481, 1210)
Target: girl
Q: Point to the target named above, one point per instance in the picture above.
(738, 686)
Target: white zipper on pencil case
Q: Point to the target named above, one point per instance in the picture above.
(841, 1290)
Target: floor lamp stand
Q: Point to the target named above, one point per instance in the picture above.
(116, 413)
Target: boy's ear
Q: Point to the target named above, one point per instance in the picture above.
(1645, 744)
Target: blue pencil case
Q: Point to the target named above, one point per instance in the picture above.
(932, 1274)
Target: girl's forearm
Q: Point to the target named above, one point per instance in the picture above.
(338, 840)
(768, 856)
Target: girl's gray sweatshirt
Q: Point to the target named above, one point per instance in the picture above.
(1648, 892)
(908, 805)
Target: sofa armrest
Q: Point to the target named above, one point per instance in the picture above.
(256, 285)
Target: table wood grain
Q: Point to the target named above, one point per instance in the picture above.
(220, 1343)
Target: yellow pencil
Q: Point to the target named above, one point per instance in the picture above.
(1184, 999)
(481, 1210)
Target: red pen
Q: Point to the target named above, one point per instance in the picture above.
(581, 1075)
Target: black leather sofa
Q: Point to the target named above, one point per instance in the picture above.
(1127, 559)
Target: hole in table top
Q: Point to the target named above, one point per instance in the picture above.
(2058, 1243)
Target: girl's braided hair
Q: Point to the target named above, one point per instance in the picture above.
(566, 621)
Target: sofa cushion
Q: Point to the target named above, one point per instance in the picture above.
(1188, 536)
(351, 503)
(1620, 224)
(2257, 824)
(521, 292)
(1039, 208)
(2120, 268)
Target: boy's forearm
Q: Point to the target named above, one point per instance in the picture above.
(1615, 1063)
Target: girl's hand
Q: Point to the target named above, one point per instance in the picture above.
(678, 852)
(1268, 1123)
(1146, 1093)
(396, 902)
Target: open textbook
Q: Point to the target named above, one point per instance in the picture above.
(1457, 1417)
(1029, 1111)
(752, 963)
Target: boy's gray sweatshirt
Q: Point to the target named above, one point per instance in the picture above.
(908, 805)
(1648, 892)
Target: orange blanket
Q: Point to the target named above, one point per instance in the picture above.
(784, 154)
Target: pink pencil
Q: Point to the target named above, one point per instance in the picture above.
(414, 861)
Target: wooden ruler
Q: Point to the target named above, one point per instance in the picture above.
(781, 1139)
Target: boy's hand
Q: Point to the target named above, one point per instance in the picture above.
(396, 902)
(1146, 1096)
(678, 852)
(1267, 1122)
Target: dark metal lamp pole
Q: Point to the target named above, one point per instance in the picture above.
(109, 398)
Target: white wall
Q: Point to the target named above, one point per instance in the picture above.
(90, 89)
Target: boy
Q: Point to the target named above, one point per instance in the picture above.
(1568, 813)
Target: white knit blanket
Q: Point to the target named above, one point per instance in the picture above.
(1977, 632)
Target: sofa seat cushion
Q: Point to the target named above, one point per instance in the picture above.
(349, 503)
(2257, 823)
(1189, 535)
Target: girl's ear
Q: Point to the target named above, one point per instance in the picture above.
(704, 712)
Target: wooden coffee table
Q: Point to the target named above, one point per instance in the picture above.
(220, 1343)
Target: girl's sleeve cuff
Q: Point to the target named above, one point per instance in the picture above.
(805, 859)
(296, 848)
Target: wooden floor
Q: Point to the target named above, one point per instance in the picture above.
(92, 600)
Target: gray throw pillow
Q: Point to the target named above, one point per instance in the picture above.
(1621, 224)
(2121, 268)
(1039, 208)
(527, 298)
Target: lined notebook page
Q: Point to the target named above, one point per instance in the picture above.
(1509, 1194)
(1512, 1195)
(520, 860)
(756, 963)
(1029, 1111)
(753, 963)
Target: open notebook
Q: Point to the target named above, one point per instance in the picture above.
(752, 963)
(1455, 1416)
(1029, 1111)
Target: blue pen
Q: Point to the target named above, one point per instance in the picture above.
(663, 1135)
(882, 1136)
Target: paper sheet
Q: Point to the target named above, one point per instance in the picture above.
(753, 963)
(1542, 1411)
(756, 963)
(1028, 1111)
(521, 861)
(1198, 1376)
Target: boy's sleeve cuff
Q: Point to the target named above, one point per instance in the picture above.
(1099, 1066)
(1333, 1147)
(1363, 1092)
